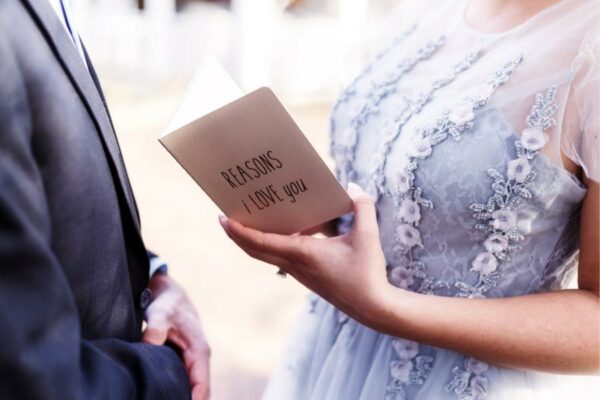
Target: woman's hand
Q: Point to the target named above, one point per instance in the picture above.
(348, 271)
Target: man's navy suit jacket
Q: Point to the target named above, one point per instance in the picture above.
(72, 262)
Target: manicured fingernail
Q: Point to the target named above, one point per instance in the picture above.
(223, 221)
(356, 191)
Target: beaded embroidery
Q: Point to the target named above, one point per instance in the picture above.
(408, 200)
(413, 106)
(469, 383)
(409, 368)
(498, 216)
(380, 90)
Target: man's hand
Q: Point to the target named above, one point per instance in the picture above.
(172, 317)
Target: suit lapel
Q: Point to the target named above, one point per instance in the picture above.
(101, 93)
(69, 58)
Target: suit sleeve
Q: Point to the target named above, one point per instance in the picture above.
(42, 353)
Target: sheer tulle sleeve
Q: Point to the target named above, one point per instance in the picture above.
(581, 124)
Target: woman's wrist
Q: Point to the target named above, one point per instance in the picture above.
(390, 308)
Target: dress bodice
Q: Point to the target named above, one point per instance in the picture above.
(459, 135)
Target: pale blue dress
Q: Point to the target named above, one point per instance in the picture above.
(459, 136)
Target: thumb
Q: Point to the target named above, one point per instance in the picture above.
(365, 216)
(157, 330)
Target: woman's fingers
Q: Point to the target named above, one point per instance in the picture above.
(365, 216)
(272, 259)
(281, 262)
(278, 245)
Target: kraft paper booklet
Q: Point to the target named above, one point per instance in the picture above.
(210, 88)
(253, 161)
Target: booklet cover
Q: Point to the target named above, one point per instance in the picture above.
(253, 161)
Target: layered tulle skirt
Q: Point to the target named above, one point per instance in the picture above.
(332, 357)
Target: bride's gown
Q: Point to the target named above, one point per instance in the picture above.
(459, 135)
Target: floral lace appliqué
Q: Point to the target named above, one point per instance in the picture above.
(345, 152)
(469, 383)
(410, 367)
(498, 215)
(408, 198)
(421, 148)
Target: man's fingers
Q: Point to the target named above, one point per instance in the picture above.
(198, 372)
(196, 356)
(198, 369)
(157, 336)
(157, 328)
(197, 363)
(278, 245)
(365, 216)
(200, 392)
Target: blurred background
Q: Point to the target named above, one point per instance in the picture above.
(146, 52)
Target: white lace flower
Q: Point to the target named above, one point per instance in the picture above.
(400, 370)
(533, 139)
(409, 211)
(405, 349)
(496, 243)
(485, 263)
(518, 169)
(462, 114)
(401, 277)
(408, 235)
(420, 147)
(479, 387)
(504, 219)
(475, 366)
(403, 182)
